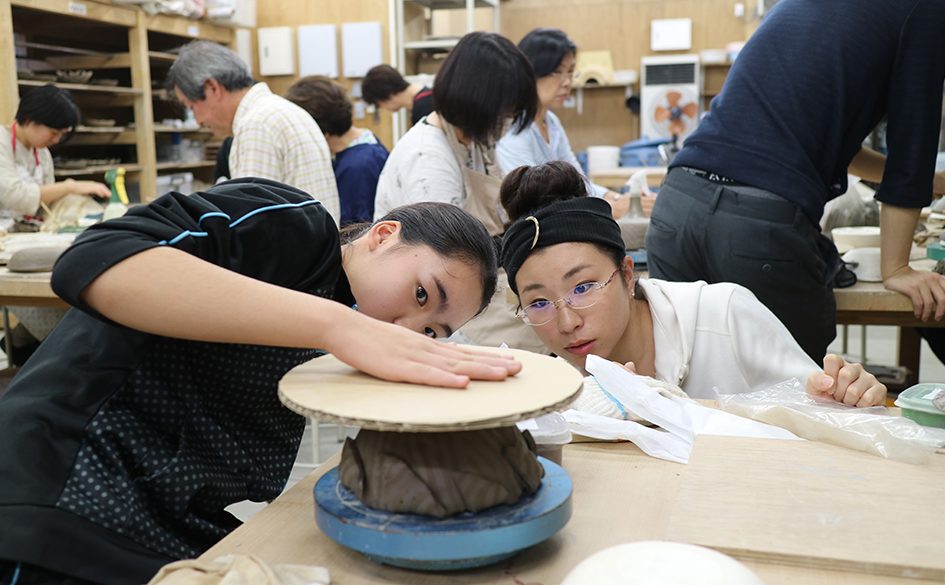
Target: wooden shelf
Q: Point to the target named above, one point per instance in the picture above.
(171, 129)
(112, 14)
(98, 129)
(85, 60)
(105, 38)
(193, 29)
(431, 45)
(88, 136)
(194, 165)
(455, 4)
(129, 168)
(82, 87)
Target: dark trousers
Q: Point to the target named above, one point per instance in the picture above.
(12, 572)
(701, 230)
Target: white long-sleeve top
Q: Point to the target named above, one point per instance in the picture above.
(720, 336)
(19, 180)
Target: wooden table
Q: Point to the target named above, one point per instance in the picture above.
(790, 510)
(19, 289)
(869, 303)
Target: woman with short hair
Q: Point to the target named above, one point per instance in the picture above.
(553, 57)
(46, 116)
(449, 156)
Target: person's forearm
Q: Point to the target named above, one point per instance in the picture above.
(868, 165)
(169, 292)
(897, 224)
(55, 191)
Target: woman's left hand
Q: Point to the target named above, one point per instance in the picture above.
(846, 382)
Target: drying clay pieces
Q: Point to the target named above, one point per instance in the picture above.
(440, 474)
(329, 390)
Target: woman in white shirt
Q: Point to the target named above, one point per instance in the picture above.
(449, 156)
(553, 57)
(45, 116)
(576, 288)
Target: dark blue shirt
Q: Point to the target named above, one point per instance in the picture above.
(809, 87)
(357, 169)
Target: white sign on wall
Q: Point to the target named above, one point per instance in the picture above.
(318, 50)
(361, 47)
(671, 34)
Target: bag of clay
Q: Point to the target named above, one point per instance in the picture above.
(855, 207)
(873, 430)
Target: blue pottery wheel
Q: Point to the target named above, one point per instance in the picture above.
(459, 542)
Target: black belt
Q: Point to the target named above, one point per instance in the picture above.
(713, 177)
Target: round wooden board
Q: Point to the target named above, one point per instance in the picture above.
(331, 391)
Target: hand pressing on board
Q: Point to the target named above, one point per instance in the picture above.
(846, 382)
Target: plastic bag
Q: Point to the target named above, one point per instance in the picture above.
(873, 430)
(855, 207)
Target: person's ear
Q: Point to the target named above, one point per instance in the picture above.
(626, 267)
(383, 234)
(214, 88)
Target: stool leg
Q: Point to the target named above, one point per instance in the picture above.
(316, 443)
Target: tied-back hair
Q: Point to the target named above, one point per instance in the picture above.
(546, 48)
(447, 230)
(325, 101)
(201, 61)
(381, 83)
(50, 106)
(484, 81)
(528, 188)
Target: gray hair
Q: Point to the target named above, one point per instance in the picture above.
(200, 61)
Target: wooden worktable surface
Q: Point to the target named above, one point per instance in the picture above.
(802, 506)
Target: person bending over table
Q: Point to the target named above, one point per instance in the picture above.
(153, 405)
(358, 154)
(575, 285)
(743, 198)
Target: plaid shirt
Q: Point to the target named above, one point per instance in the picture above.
(275, 139)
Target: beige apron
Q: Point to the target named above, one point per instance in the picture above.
(481, 181)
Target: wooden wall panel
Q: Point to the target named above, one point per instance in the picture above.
(620, 26)
(623, 28)
(301, 12)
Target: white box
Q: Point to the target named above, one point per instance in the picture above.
(276, 50)
(671, 34)
(180, 182)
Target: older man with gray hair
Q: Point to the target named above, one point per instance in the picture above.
(272, 137)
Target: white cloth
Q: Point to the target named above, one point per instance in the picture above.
(422, 167)
(720, 335)
(276, 139)
(529, 148)
(20, 179)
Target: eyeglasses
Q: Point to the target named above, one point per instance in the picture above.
(561, 74)
(584, 296)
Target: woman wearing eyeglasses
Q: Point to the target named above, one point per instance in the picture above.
(576, 288)
(45, 116)
(553, 57)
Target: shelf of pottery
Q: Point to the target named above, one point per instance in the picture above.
(113, 59)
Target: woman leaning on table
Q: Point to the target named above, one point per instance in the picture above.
(46, 116)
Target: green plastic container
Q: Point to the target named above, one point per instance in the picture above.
(916, 403)
(935, 251)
